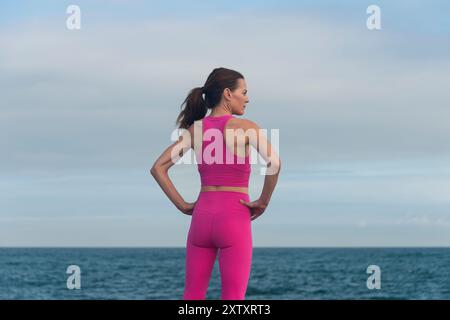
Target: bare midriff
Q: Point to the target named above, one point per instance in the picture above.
(224, 188)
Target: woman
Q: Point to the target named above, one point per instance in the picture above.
(222, 214)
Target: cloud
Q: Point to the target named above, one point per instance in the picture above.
(336, 92)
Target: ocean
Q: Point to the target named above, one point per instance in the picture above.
(277, 273)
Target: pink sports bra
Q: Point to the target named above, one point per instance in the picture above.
(219, 166)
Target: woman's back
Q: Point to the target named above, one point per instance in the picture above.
(223, 159)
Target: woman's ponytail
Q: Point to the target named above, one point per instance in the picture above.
(194, 110)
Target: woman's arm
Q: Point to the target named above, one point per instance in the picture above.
(264, 148)
(162, 165)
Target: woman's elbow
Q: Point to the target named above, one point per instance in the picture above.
(274, 166)
(155, 170)
(158, 169)
(277, 165)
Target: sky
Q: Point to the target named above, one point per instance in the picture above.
(362, 114)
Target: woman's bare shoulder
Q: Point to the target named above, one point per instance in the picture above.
(243, 123)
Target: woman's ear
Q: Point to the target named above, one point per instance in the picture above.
(227, 93)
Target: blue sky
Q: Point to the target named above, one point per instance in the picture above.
(363, 118)
(413, 15)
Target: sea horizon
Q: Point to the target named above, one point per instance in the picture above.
(281, 273)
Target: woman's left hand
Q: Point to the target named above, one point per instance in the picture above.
(188, 208)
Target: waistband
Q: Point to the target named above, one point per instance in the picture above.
(225, 191)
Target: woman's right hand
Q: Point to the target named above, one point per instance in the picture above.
(257, 208)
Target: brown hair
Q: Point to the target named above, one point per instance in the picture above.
(197, 106)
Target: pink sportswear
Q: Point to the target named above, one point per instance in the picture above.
(231, 170)
(220, 224)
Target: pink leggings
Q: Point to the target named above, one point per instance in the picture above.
(219, 221)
